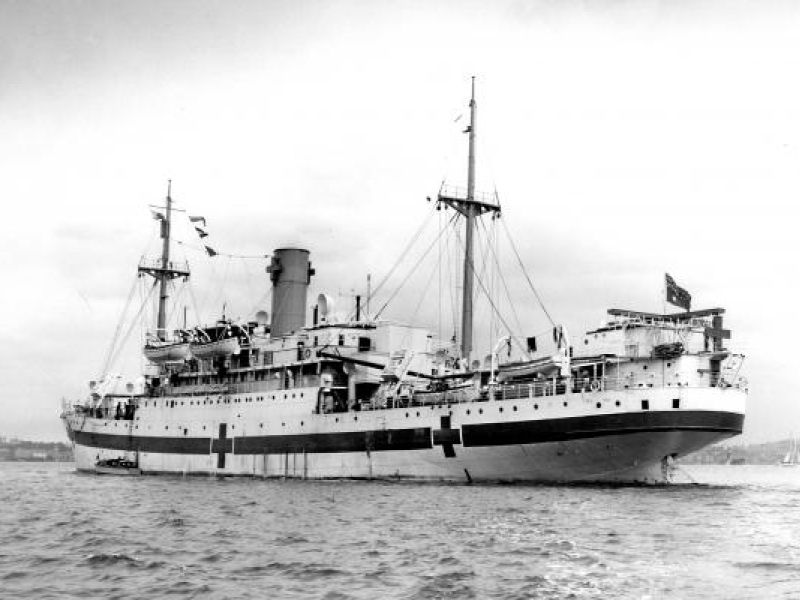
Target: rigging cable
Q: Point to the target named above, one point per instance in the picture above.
(217, 253)
(411, 272)
(399, 260)
(453, 275)
(130, 328)
(505, 287)
(121, 320)
(527, 277)
(491, 302)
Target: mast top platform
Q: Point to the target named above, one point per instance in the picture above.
(458, 199)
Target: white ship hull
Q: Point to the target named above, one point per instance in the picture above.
(524, 439)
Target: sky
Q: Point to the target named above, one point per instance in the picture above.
(626, 139)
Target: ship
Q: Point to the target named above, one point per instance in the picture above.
(306, 392)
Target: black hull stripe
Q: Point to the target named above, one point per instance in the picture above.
(356, 441)
(420, 438)
(575, 428)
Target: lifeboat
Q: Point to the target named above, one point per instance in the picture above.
(164, 352)
(546, 367)
(223, 347)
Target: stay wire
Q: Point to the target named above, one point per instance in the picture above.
(491, 302)
(505, 287)
(400, 258)
(411, 271)
(130, 328)
(525, 272)
(115, 337)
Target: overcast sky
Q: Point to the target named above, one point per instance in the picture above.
(626, 139)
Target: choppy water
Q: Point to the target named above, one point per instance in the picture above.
(67, 535)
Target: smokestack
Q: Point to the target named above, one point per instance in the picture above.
(290, 272)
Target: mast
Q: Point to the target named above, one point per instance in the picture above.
(469, 227)
(162, 270)
(161, 323)
(471, 206)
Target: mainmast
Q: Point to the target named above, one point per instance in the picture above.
(164, 271)
(161, 322)
(471, 207)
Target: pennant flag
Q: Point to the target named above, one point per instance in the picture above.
(210, 251)
(677, 295)
(200, 232)
(157, 215)
(198, 220)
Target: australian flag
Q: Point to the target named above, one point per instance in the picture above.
(677, 295)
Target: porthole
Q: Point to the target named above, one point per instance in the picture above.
(301, 423)
(283, 424)
(355, 418)
(166, 426)
(617, 403)
(261, 425)
(337, 419)
(669, 364)
(644, 367)
(565, 403)
(417, 413)
(468, 411)
(501, 409)
(535, 407)
(406, 415)
(515, 409)
(204, 427)
(292, 396)
(598, 405)
(301, 394)
(480, 411)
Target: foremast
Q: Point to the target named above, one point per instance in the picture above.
(164, 271)
(471, 206)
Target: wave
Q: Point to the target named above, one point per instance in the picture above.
(768, 566)
(114, 559)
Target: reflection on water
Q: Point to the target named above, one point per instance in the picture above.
(67, 535)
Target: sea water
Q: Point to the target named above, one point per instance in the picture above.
(735, 534)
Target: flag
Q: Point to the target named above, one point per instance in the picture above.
(210, 251)
(157, 215)
(677, 295)
(200, 232)
(198, 220)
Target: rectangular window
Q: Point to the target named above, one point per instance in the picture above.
(676, 403)
(645, 404)
(364, 344)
